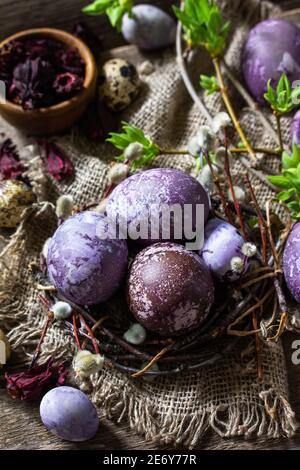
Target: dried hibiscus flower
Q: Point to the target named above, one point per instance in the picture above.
(10, 166)
(32, 383)
(67, 84)
(57, 162)
(31, 69)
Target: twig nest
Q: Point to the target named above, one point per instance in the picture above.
(86, 262)
(119, 84)
(86, 363)
(136, 334)
(5, 350)
(117, 173)
(222, 250)
(291, 262)
(61, 310)
(170, 290)
(69, 414)
(139, 202)
(15, 197)
(64, 206)
(149, 27)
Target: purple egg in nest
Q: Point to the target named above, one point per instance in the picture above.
(85, 267)
(272, 48)
(139, 204)
(222, 251)
(69, 414)
(291, 262)
(170, 290)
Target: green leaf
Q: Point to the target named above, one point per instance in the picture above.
(280, 181)
(114, 9)
(282, 100)
(285, 196)
(210, 84)
(99, 7)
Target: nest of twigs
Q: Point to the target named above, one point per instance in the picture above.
(252, 306)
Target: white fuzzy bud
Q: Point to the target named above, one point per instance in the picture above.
(117, 173)
(221, 121)
(249, 249)
(237, 264)
(134, 151)
(61, 310)
(64, 206)
(205, 176)
(136, 334)
(206, 138)
(240, 194)
(101, 208)
(86, 363)
(46, 248)
(193, 147)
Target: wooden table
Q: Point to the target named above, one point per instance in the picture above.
(20, 426)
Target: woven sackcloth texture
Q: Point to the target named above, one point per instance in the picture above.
(227, 396)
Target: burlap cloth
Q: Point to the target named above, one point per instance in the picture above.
(226, 396)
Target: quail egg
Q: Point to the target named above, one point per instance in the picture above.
(15, 196)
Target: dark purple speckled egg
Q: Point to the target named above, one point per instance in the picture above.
(170, 289)
(291, 262)
(140, 199)
(84, 267)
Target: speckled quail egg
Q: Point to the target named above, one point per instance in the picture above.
(15, 196)
(119, 84)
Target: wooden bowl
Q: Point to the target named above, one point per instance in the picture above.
(60, 117)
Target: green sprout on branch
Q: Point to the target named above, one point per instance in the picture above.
(144, 151)
(209, 84)
(289, 182)
(282, 99)
(203, 25)
(114, 9)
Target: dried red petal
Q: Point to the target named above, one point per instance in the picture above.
(57, 162)
(67, 84)
(10, 166)
(32, 383)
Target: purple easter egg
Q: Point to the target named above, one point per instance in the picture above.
(69, 414)
(170, 290)
(296, 129)
(222, 242)
(141, 199)
(291, 262)
(272, 48)
(149, 27)
(83, 266)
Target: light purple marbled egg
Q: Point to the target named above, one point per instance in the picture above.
(296, 129)
(272, 47)
(170, 290)
(291, 262)
(143, 194)
(69, 414)
(85, 268)
(222, 242)
(149, 28)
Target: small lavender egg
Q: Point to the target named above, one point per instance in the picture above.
(170, 290)
(84, 267)
(149, 28)
(291, 262)
(15, 197)
(223, 243)
(69, 414)
(141, 197)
